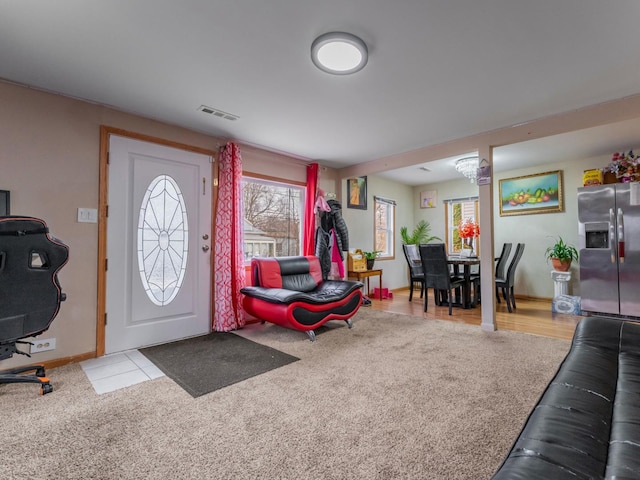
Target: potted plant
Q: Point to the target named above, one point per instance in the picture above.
(561, 255)
(420, 234)
(371, 258)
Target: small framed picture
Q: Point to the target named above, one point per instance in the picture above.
(357, 193)
(428, 199)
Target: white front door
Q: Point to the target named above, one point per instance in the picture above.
(158, 244)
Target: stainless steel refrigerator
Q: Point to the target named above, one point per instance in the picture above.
(609, 228)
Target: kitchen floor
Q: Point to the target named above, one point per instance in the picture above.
(119, 370)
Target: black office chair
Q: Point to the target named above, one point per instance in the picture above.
(506, 282)
(30, 293)
(437, 274)
(416, 273)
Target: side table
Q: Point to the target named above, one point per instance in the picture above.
(367, 274)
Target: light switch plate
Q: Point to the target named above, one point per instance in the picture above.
(87, 215)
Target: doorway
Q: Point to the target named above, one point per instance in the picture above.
(156, 236)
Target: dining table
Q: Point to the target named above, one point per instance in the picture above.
(466, 262)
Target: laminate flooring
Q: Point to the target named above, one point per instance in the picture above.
(531, 315)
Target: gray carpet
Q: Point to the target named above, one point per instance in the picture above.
(207, 363)
(396, 397)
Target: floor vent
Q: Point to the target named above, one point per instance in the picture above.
(218, 113)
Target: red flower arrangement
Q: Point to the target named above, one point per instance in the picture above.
(468, 229)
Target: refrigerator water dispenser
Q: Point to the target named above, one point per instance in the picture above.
(596, 235)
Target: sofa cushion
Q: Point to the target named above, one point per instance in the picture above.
(300, 273)
(327, 292)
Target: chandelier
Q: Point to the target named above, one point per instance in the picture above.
(468, 166)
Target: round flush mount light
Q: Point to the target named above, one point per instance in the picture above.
(339, 53)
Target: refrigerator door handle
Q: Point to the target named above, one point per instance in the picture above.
(612, 235)
(620, 235)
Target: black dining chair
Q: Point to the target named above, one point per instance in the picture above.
(506, 282)
(503, 261)
(437, 274)
(416, 273)
(499, 272)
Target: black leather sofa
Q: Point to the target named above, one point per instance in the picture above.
(587, 422)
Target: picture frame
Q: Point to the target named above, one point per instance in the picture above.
(428, 199)
(531, 194)
(5, 204)
(357, 193)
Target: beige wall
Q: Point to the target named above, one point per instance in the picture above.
(49, 153)
(360, 224)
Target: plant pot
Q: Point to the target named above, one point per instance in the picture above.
(560, 265)
(370, 264)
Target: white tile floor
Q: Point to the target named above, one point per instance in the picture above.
(119, 370)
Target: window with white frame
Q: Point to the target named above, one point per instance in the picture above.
(273, 213)
(457, 210)
(384, 226)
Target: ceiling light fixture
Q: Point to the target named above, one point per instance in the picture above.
(468, 166)
(339, 53)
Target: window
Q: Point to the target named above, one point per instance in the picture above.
(163, 240)
(455, 211)
(272, 218)
(384, 226)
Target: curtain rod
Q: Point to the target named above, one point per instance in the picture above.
(382, 199)
(463, 199)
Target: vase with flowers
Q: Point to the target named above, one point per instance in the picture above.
(468, 230)
(623, 166)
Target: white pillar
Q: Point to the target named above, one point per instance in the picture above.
(487, 272)
(560, 282)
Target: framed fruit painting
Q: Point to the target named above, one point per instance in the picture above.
(536, 193)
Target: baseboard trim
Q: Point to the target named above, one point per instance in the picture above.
(60, 362)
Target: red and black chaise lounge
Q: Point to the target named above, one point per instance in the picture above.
(290, 292)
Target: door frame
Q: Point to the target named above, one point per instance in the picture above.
(103, 212)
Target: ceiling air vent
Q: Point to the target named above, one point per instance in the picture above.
(218, 113)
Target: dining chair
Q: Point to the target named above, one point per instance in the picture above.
(506, 282)
(437, 274)
(503, 261)
(499, 272)
(416, 273)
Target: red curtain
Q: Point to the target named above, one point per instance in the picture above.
(229, 276)
(308, 244)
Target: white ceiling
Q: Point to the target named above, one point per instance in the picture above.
(587, 143)
(438, 70)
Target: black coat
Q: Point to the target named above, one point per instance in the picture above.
(331, 221)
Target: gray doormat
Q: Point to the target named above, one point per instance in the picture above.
(207, 363)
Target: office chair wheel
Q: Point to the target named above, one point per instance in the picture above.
(349, 323)
(46, 388)
(40, 371)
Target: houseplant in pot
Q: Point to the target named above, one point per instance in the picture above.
(420, 234)
(371, 258)
(561, 255)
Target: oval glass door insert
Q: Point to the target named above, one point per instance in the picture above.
(163, 240)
